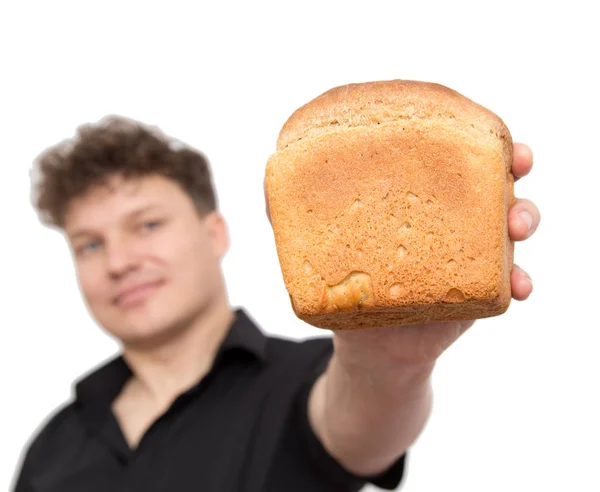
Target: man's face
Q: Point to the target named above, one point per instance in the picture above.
(146, 263)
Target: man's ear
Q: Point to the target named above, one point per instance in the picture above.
(217, 230)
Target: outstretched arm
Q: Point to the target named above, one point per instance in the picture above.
(375, 397)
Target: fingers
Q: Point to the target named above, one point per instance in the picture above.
(522, 160)
(520, 283)
(523, 219)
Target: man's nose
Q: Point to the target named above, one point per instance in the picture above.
(121, 256)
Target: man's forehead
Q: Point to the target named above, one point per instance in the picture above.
(123, 194)
(133, 185)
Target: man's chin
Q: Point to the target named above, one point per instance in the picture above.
(146, 337)
(148, 330)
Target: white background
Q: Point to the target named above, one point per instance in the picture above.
(516, 399)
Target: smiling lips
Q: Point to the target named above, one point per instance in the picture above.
(136, 294)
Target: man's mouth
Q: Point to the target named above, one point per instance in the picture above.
(137, 294)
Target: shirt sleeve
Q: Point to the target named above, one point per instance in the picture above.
(320, 458)
(302, 462)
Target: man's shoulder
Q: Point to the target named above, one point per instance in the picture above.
(53, 425)
(285, 347)
(295, 362)
(47, 438)
(256, 337)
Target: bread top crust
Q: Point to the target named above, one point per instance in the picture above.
(375, 103)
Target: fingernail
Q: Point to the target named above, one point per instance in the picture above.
(526, 216)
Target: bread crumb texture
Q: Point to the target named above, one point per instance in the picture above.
(389, 205)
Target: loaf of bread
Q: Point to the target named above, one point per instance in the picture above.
(389, 205)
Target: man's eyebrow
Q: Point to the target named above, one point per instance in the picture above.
(141, 210)
(131, 215)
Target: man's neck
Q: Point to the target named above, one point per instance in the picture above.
(165, 371)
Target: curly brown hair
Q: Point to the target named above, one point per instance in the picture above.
(115, 146)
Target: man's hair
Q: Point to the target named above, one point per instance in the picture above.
(115, 146)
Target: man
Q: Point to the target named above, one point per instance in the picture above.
(200, 398)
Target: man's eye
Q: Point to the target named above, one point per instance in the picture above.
(152, 224)
(89, 246)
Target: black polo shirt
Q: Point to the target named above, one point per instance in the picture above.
(243, 428)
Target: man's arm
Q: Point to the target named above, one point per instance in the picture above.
(368, 414)
(375, 397)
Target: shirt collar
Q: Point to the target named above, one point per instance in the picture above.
(105, 383)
